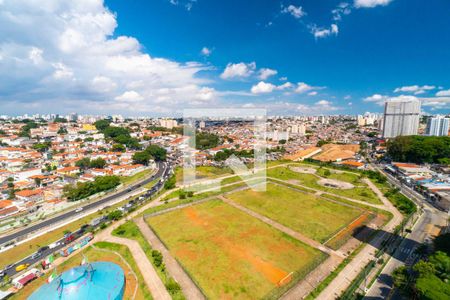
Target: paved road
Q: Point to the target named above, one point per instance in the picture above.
(10, 271)
(71, 213)
(405, 254)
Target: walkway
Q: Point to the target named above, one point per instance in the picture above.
(151, 278)
(190, 289)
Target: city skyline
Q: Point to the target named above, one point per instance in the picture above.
(155, 59)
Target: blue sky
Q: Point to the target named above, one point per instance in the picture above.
(157, 57)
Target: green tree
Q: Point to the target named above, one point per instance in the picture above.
(102, 124)
(118, 148)
(142, 157)
(158, 153)
(98, 163)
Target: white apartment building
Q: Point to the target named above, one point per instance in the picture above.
(438, 126)
(401, 117)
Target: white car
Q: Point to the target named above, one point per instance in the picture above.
(78, 209)
(54, 245)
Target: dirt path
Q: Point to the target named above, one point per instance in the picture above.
(189, 288)
(151, 278)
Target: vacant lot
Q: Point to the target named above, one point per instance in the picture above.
(306, 213)
(310, 180)
(230, 254)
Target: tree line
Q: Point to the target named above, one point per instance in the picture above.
(420, 149)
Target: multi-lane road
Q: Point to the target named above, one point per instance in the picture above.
(162, 172)
(405, 253)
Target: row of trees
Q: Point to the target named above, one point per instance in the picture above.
(87, 163)
(83, 190)
(420, 149)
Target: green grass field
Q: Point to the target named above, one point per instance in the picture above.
(306, 213)
(230, 254)
(309, 180)
(204, 172)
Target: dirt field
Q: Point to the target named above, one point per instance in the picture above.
(333, 152)
(306, 213)
(230, 254)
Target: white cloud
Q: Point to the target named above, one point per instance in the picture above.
(296, 12)
(443, 93)
(342, 9)
(129, 96)
(265, 73)
(377, 98)
(284, 78)
(323, 103)
(320, 32)
(263, 88)
(239, 70)
(313, 93)
(66, 54)
(206, 51)
(434, 102)
(416, 89)
(103, 84)
(334, 29)
(304, 87)
(371, 3)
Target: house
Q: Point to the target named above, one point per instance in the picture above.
(68, 171)
(24, 175)
(126, 170)
(30, 195)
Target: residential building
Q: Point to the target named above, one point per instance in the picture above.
(401, 117)
(438, 126)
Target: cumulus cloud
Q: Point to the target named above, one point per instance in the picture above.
(433, 102)
(296, 12)
(66, 54)
(265, 73)
(377, 98)
(239, 70)
(445, 93)
(264, 87)
(370, 3)
(416, 89)
(303, 87)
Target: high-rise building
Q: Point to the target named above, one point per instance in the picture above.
(438, 126)
(401, 117)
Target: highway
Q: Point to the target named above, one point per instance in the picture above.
(162, 171)
(405, 253)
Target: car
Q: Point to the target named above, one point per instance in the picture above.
(8, 267)
(21, 267)
(67, 234)
(36, 255)
(2, 274)
(84, 227)
(54, 245)
(42, 249)
(78, 209)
